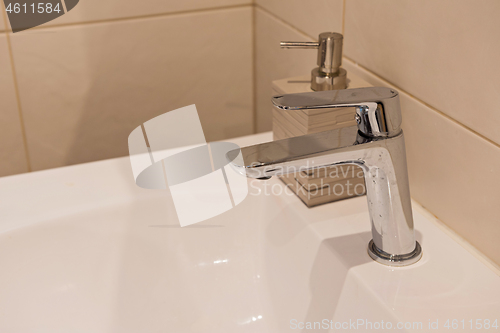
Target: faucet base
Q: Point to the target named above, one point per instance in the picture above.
(393, 259)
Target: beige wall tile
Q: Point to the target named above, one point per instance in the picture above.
(443, 52)
(12, 153)
(310, 17)
(2, 19)
(93, 10)
(85, 88)
(272, 63)
(453, 172)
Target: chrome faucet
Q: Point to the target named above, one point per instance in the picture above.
(376, 145)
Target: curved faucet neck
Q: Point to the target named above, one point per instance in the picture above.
(376, 144)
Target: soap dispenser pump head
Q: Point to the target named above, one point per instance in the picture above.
(328, 75)
(330, 52)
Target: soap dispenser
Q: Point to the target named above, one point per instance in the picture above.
(328, 75)
(316, 187)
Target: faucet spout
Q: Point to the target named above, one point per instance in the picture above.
(380, 153)
(277, 158)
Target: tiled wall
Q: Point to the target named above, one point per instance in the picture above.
(73, 89)
(442, 56)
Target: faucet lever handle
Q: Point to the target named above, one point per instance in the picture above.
(377, 108)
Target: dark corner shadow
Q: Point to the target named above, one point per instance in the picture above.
(335, 257)
(189, 226)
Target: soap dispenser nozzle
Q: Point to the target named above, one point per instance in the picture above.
(329, 75)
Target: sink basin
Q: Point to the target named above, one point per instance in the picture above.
(83, 249)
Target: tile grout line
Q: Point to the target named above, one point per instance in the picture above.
(63, 2)
(424, 103)
(140, 17)
(284, 22)
(6, 21)
(254, 68)
(343, 16)
(16, 89)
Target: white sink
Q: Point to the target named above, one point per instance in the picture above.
(82, 249)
